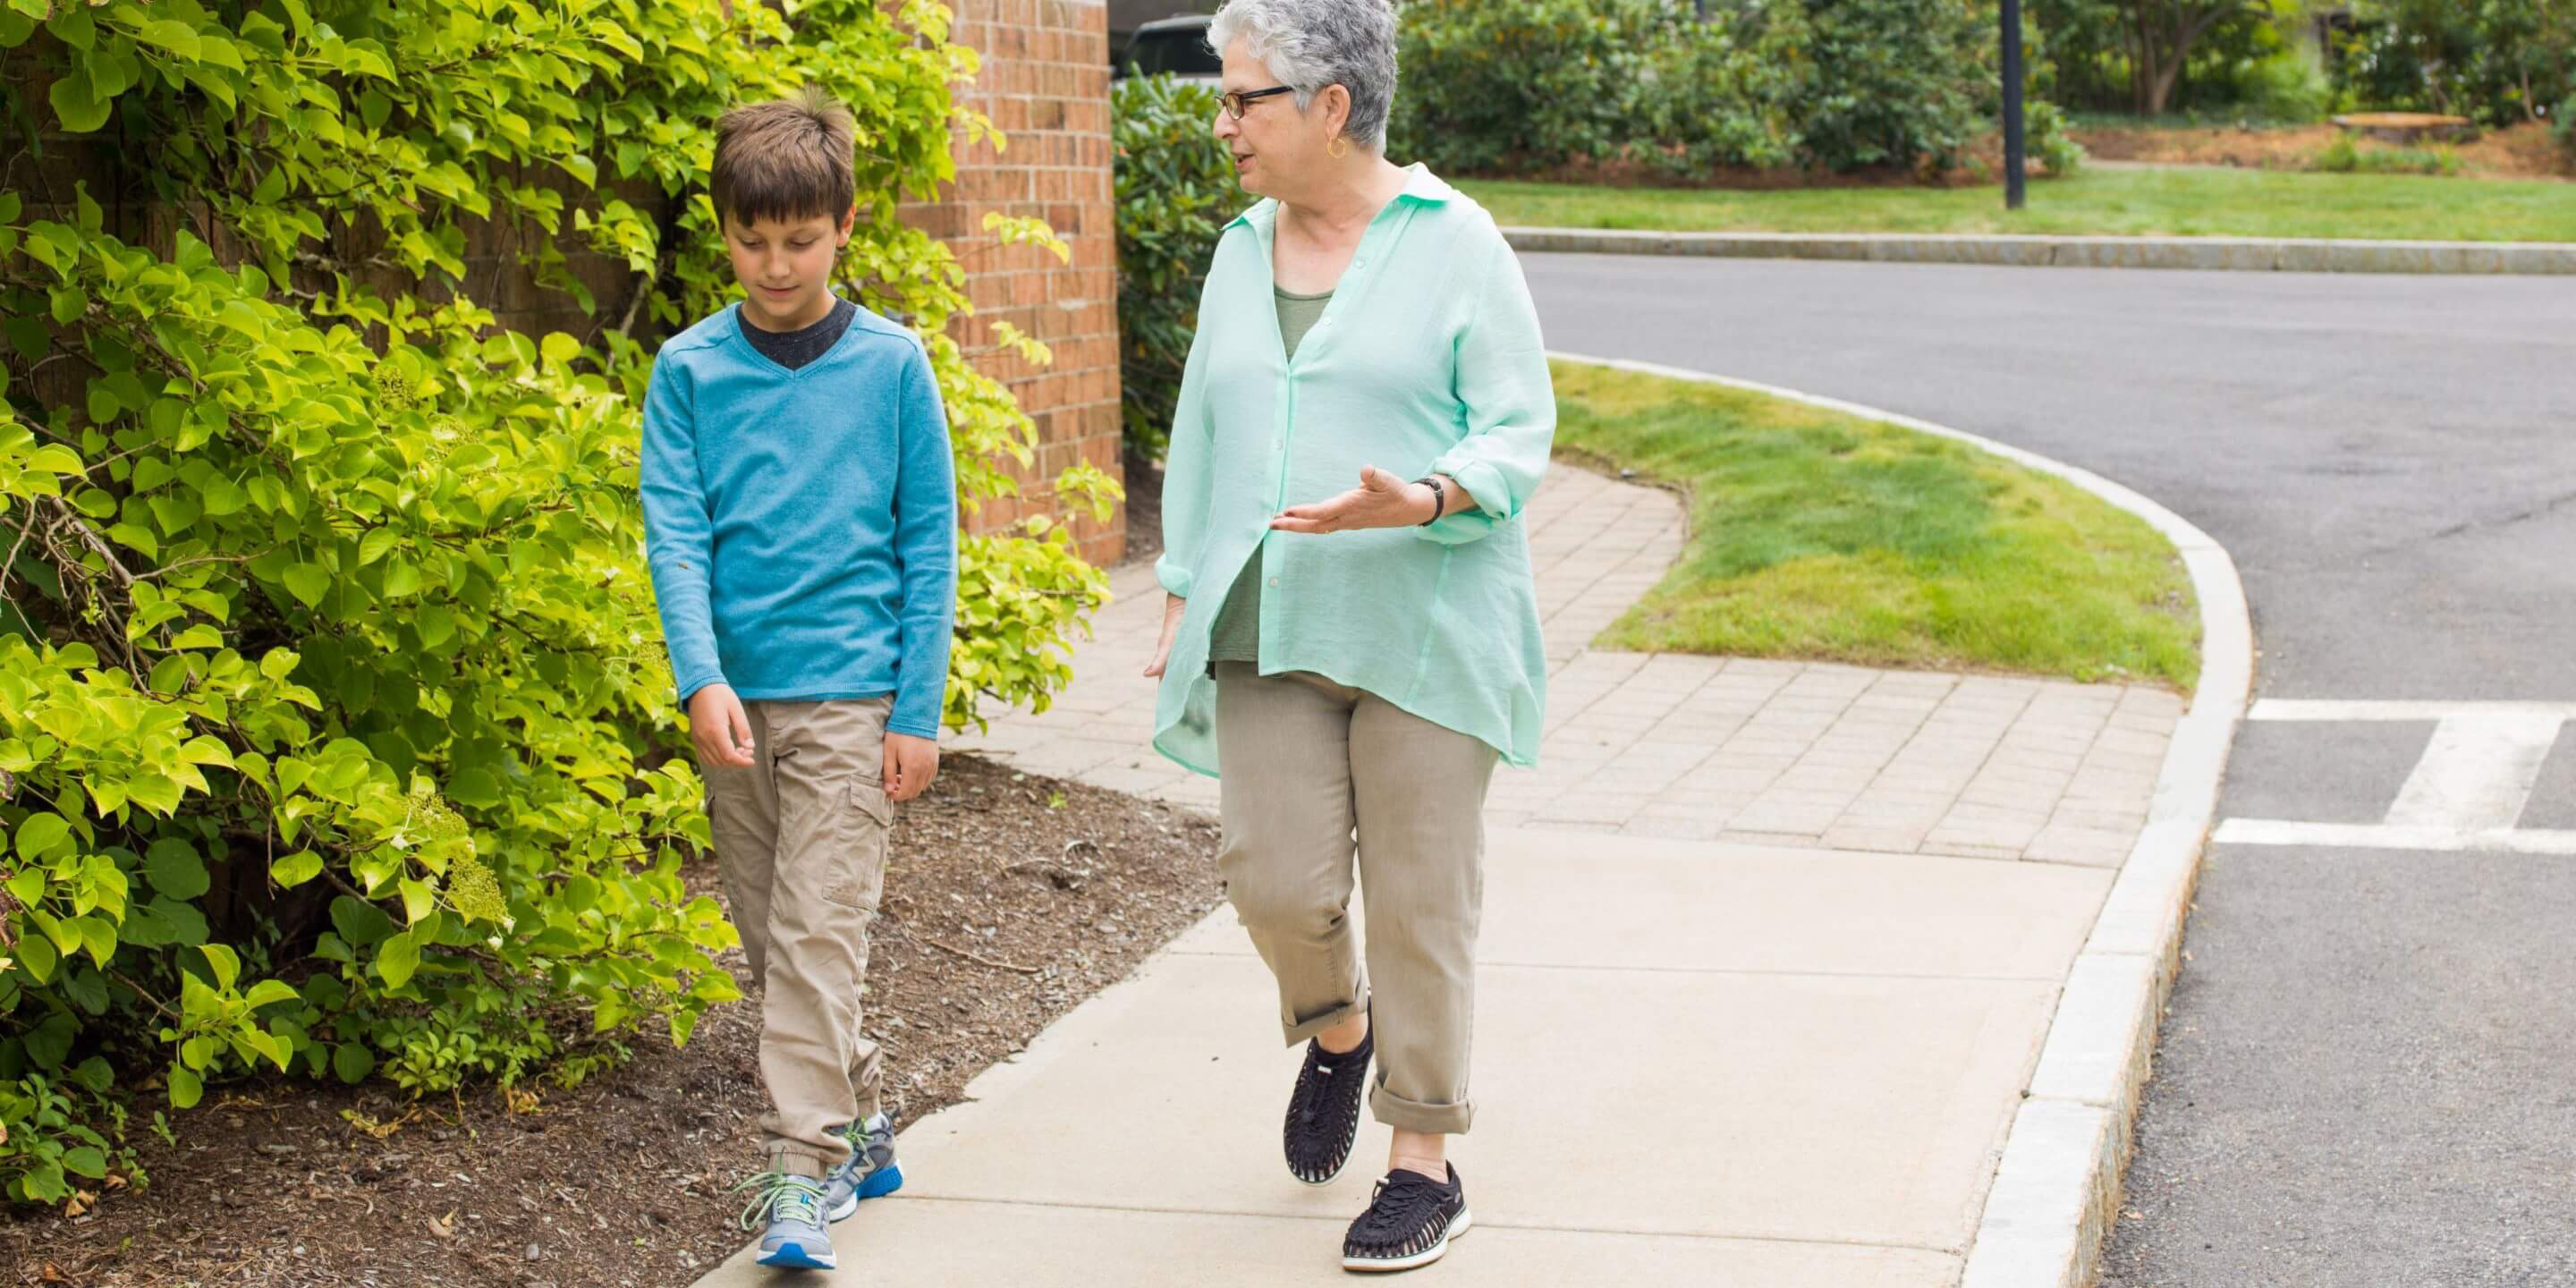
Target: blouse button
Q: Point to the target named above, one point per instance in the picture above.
(1274, 583)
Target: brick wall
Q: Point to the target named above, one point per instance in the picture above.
(1045, 83)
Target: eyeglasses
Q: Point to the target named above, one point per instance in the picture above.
(1237, 101)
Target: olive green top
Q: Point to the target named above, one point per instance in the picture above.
(1237, 636)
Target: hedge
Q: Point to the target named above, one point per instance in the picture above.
(336, 735)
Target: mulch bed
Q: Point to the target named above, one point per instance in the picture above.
(2522, 152)
(1009, 899)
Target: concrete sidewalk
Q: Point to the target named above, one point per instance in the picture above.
(1770, 951)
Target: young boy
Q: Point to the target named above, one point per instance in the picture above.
(800, 517)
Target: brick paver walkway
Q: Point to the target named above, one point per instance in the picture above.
(1703, 748)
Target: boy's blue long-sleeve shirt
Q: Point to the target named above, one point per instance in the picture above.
(802, 525)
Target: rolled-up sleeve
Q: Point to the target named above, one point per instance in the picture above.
(1502, 381)
(1187, 472)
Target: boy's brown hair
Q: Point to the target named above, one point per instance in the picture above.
(787, 160)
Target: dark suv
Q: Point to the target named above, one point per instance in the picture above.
(1174, 45)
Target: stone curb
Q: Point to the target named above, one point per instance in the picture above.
(2254, 254)
(2057, 1190)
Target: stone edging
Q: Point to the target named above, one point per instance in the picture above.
(2057, 1191)
(2257, 254)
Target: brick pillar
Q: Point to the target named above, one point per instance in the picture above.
(1045, 83)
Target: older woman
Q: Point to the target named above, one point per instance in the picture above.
(1353, 660)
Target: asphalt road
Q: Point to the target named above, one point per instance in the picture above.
(2368, 1075)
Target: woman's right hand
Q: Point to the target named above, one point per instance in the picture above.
(1173, 606)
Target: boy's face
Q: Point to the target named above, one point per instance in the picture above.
(785, 267)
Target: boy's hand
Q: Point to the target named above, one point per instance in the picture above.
(720, 728)
(910, 765)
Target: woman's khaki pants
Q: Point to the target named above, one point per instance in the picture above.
(1310, 765)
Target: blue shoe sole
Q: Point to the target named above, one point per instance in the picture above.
(878, 1185)
(793, 1256)
(882, 1183)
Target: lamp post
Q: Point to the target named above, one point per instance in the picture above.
(2013, 167)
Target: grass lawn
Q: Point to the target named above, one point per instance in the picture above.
(1819, 535)
(2186, 203)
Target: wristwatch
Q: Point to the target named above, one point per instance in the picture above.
(1439, 498)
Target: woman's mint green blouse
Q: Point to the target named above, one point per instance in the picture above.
(1427, 361)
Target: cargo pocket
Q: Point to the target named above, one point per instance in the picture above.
(858, 860)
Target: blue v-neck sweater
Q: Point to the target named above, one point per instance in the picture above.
(802, 525)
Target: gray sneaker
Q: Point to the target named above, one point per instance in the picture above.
(792, 1209)
(870, 1172)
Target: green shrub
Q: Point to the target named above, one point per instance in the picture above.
(1176, 191)
(1892, 82)
(2497, 62)
(1711, 100)
(2343, 156)
(335, 730)
(1495, 86)
(2562, 127)
(2289, 87)
(2045, 134)
(1527, 86)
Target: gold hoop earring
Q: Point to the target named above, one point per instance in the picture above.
(1337, 149)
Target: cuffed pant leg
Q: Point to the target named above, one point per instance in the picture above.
(1283, 743)
(1420, 793)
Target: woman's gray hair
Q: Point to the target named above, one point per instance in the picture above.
(1311, 44)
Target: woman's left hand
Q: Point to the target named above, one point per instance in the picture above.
(1380, 501)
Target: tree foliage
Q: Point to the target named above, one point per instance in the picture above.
(2495, 61)
(1503, 86)
(1176, 191)
(336, 735)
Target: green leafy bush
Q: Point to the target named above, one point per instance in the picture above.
(2289, 87)
(1176, 191)
(1493, 86)
(1894, 82)
(1720, 95)
(1524, 86)
(2562, 127)
(2343, 156)
(336, 735)
(2495, 61)
(2045, 133)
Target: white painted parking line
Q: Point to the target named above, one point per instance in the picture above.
(2467, 791)
(2383, 836)
(2322, 711)
(2477, 772)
